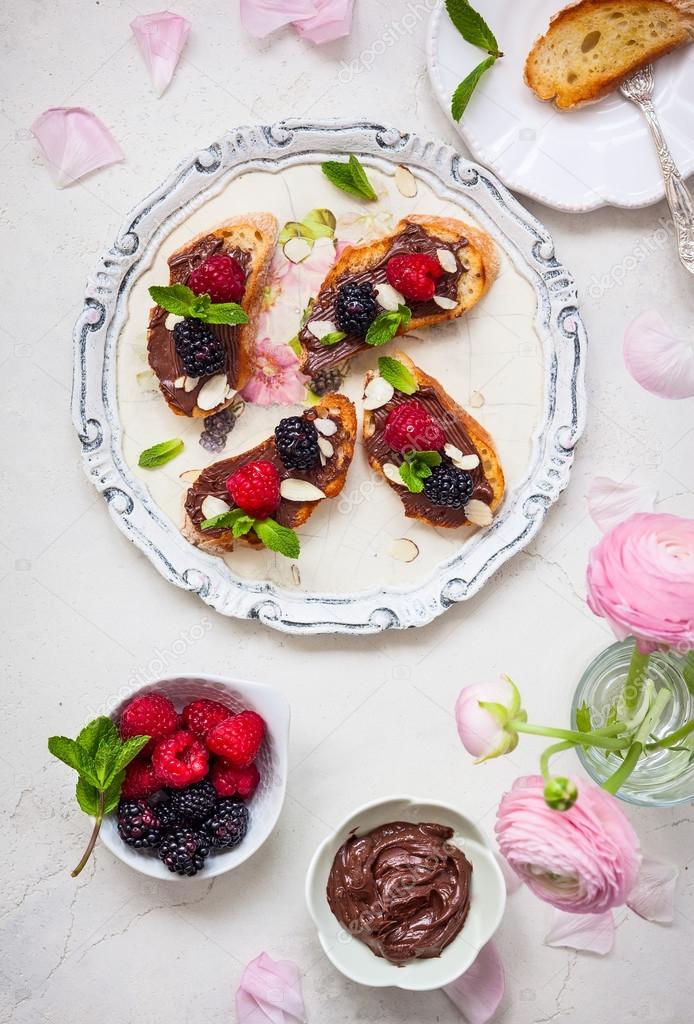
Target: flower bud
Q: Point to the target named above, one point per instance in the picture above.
(484, 715)
(560, 793)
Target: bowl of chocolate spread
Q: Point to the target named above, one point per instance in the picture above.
(405, 892)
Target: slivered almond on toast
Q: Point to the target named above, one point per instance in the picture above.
(471, 266)
(592, 46)
(465, 439)
(251, 240)
(335, 420)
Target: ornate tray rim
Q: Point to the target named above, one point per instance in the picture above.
(95, 407)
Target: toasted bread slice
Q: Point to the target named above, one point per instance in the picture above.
(476, 266)
(462, 431)
(329, 477)
(592, 46)
(250, 239)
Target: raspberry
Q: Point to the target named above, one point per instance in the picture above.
(200, 350)
(238, 739)
(180, 760)
(255, 488)
(140, 779)
(200, 715)
(231, 781)
(194, 803)
(151, 715)
(355, 307)
(139, 824)
(296, 440)
(228, 825)
(448, 486)
(410, 427)
(221, 276)
(184, 850)
(414, 275)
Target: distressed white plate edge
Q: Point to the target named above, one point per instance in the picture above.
(95, 407)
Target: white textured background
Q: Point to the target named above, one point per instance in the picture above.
(85, 615)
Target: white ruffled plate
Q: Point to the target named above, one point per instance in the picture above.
(601, 155)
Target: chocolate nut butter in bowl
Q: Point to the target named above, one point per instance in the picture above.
(405, 892)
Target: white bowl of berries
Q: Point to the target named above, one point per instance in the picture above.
(207, 790)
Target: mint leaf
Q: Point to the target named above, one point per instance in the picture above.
(472, 26)
(462, 95)
(88, 796)
(93, 734)
(160, 453)
(583, 720)
(332, 338)
(424, 459)
(128, 751)
(74, 756)
(397, 374)
(411, 480)
(243, 525)
(386, 326)
(105, 758)
(174, 298)
(416, 468)
(224, 313)
(278, 538)
(350, 177)
(224, 521)
(182, 301)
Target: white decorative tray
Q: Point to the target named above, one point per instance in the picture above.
(516, 361)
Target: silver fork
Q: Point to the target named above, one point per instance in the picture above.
(639, 89)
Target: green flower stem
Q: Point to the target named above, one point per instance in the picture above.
(634, 752)
(597, 738)
(673, 737)
(92, 839)
(635, 679)
(556, 748)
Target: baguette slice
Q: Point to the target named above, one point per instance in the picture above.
(476, 267)
(592, 46)
(251, 239)
(329, 477)
(462, 431)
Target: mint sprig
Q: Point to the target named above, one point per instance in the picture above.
(350, 177)
(333, 337)
(475, 30)
(160, 453)
(270, 533)
(386, 326)
(100, 758)
(416, 468)
(398, 375)
(180, 300)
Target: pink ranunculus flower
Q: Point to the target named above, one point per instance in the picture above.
(482, 730)
(277, 379)
(641, 579)
(584, 860)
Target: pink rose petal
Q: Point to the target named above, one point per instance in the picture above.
(653, 896)
(261, 17)
(478, 992)
(610, 502)
(657, 360)
(161, 38)
(270, 992)
(333, 21)
(591, 932)
(74, 142)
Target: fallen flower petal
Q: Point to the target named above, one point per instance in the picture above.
(653, 896)
(593, 933)
(478, 992)
(656, 359)
(161, 38)
(261, 17)
(610, 502)
(270, 992)
(333, 21)
(74, 142)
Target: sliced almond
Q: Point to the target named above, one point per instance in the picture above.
(405, 182)
(445, 303)
(478, 513)
(171, 321)
(388, 297)
(179, 382)
(325, 427)
(326, 447)
(392, 473)
(404, 550)
(477, 399)
(212, 392)
(378, 392)
(300, 490)
(319, 328)
(459, 460)
(447, 260)
(190, 384)
(230, 392)
(212, 506)
(189, 475)
(297, 249)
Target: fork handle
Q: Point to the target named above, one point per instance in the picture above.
(676, 192)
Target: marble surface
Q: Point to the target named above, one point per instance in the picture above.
(86, 616)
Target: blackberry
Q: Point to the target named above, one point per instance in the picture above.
(296, 440)
(448, 486)
(195, 802)
(198, 347)
(228, 825)
(325, 381)
(220, 423)
(184, 850)
(212, 442)
(139, 824)
(355, 308)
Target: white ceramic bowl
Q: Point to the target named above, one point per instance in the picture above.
(266, 803)
(488, 899)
